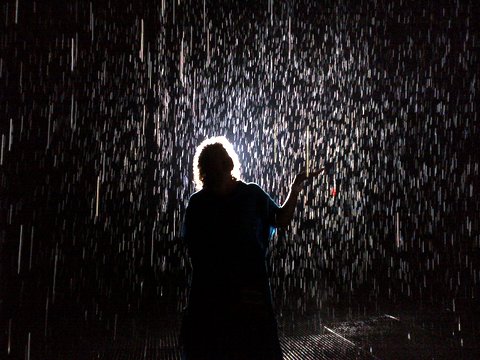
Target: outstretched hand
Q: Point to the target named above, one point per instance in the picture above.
(297, 184)
(285, 214)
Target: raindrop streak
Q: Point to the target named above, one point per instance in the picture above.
(46, 317)
(28, 346)
(10, 139)
(9, 336)
(97, 202)
(55, 274)
(307, 151)
(31, 250)
(141, 41)
(103, 106)
(1, 150)
(16, 11)
(20, 249)
(115, 327)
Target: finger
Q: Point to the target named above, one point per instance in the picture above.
(316, 172)
(301, 176)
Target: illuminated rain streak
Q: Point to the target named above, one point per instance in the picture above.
(28, 346)
(16, 11)
(1, 150)
(92, 21)
(72, 60)
(10, 138)
(20, 249)
(54, 275)
(115, 328)
(9, 336)
(97, 202)
(141, 40)
(46, 318)
(397, 232)
(114, 99)
(307, 152)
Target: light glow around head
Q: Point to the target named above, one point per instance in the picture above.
(227, 145)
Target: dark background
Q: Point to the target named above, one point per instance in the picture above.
(387, 90)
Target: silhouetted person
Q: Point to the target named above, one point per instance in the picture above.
(228, 224)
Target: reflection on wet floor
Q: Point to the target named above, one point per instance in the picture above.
(406, 332)
(380, 337)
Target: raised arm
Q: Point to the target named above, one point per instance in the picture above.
(285, 213)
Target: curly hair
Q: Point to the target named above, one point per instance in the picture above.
(207, 157)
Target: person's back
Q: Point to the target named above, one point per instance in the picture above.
(227, 227)
(229, 297)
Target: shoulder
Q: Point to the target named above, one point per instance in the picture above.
(196, 197)
(251, 186)
(255, 188)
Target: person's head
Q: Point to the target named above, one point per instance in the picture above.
(214, 161)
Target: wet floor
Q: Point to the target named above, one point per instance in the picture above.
(386, 331)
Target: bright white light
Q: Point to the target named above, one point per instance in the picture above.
(227, 145)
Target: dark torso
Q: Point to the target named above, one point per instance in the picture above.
(229, 291)
(227, 255)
